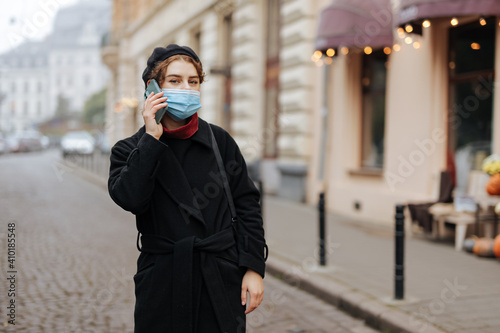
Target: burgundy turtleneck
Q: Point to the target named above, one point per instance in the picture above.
(185, 131)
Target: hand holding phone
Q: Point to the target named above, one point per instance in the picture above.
(154, 103)
(155, 88)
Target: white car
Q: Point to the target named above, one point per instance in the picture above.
(78, 142)
(3, 144)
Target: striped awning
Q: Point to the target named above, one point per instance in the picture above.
(355, 23)
(418, 10)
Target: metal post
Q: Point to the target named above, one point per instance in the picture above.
(321, 208)
(399, 249)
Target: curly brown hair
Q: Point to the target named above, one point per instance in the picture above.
(158, 73)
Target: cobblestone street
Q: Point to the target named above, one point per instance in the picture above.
(75, 257)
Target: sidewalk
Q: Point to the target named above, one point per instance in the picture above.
(445, 290)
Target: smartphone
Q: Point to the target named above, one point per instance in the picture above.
(155, 88)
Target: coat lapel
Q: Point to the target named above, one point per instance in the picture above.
(174, 181)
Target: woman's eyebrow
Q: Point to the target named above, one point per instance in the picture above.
(177, 75)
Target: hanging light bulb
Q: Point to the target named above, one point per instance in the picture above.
(387, 50)
(401, 32)
(330, 52)
(396, 47)
(408, 40)
(416, 45)
(318, 54)
(482, 21)
(368, 50)
(475, 46)
(319, 63)
(408, 28)
(328, 61)
(454, 21)
(344, 50)
(426, 23)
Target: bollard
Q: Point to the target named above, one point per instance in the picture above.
(399, 234)
(321, 208)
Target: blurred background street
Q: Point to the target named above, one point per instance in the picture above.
(77, 256)
(345, 109)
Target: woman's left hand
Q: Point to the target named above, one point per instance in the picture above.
(254, 285)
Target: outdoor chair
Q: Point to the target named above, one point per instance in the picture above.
(419, 212)
(464, 211)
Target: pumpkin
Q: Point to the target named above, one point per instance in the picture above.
(493, 185)
(496, 246)
(483, 247)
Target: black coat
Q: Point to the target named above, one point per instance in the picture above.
(187, 281)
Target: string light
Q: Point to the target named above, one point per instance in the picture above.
(318, 54)
(330, 52)
(475, 46)
(387, 50)
(408, 40)
(482, 21)
(328, 60)
(368, 50)
(401, 33)
(426, 23)
(313, 58)
(416, 45)
(344, 50)
(454, 21)
(396, 47)
(409, 28)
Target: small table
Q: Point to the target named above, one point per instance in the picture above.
(484, 202)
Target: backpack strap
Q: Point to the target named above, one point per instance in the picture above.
(222, 170)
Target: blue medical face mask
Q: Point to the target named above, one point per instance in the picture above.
(182, 103)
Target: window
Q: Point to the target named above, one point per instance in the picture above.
(373, 82)
(25, 107)
(227, 60)
(271, 112)
(196, 40)
(471, 81)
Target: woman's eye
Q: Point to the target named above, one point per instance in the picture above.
(194, 82)
(174, 81)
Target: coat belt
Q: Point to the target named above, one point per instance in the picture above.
(182, 298)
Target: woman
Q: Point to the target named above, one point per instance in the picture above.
(196, 266)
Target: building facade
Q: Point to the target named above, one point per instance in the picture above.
(23, 87)
(367, 101)
(67, 64)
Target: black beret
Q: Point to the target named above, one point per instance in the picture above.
(161, 53)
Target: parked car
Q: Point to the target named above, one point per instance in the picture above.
(102, 142)
(3, 144)
(26, 141)
(12, 143)
(45, 141)
(77, 142)
(30, 141)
